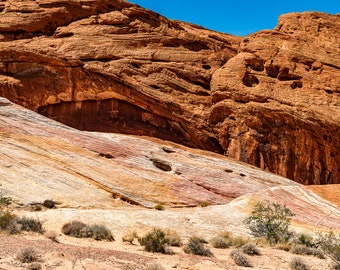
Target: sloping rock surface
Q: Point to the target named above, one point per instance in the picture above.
(271, 99)
(104, 175)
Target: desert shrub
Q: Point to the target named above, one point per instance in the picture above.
(240, 259)
(52, 235)
(226, 239)
(173, 238)
(155, 266)
(219, 242)
(284, 246)
(198, 239)
(250, 249)
(196, 246)
(34, 266)
(304, 250)
(79, 229)
(27, 255)
(203, 203)
(130, 237)
(239, 241)
(5, 200)
(154, 241)
(159, 207)
(336, 266)
(97, 232)
(6, 218)
(298, 264)
(270, 221)
(330, 244)
(304, 239)
(73, 228)
(30, 224)
(49, 204)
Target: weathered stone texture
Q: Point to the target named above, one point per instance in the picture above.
(271, 99)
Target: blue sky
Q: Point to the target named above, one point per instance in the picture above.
(235, 17)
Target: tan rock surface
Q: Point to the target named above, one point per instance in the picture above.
(42, 159)
(270, 99)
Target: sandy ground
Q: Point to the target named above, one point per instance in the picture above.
(88, 254)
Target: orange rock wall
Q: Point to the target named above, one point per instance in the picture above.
(271, 99)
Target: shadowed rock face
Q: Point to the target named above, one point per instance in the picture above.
(270, 99)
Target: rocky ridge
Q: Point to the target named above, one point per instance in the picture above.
(270, 99)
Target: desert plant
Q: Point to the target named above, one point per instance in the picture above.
(203, 203)
(270, 221)
(79, 229)
(74, 228)
(219, 242)
(284, 246)
(49, 204)
(159, 207)
(5, 200)
(173, 238)
(240, 259)
(34, 266)
(250, 249)
(130, 237)
(154, 241)
(330, 244)
(196, 247)
(97, 232)
(6, 218)
(298, 264)
(30, 224)
(27, 255)
(304, 250)
(304, 239)
(52, 235)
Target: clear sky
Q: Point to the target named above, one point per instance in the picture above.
(236, 17)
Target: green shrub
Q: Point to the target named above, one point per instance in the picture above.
(304, 239)
(5, 200)
(298, 264)
(250, 249)
(196, 247)
(27, 255)
(154, 241)
(330, 244)
(30, 224)
(240, 259)
(270, 221)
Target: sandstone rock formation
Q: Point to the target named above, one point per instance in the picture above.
(270, 99)
(103, 175)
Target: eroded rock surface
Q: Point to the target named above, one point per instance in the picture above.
(107, 176)
(271, 99)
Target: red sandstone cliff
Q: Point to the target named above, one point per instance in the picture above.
(271, 99)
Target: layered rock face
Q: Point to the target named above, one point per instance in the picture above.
(271, 99)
